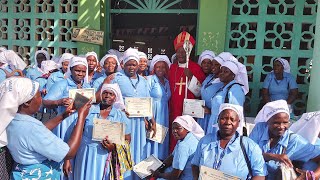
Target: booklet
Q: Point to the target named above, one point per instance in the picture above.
(160, 134)
(87, 92)
(142, 169)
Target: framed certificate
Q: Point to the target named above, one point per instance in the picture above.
(209, 173)
(193, 107)
(114, 130)
(139, 107)
(142, 169)
(87, 92)
(160, 134)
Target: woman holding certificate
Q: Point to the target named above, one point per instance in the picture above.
(35, 149)
(133, 85)
(227, 151)
(100, 159)
(160, 93)
(178, 165)
(233, 75)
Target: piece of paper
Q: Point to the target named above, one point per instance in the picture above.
(87, 92)
(193, 107)
(160, 134)
(80, 100)
(209, 173)
(195, 86)
(114, 130)
(139, 107)
(142, 169)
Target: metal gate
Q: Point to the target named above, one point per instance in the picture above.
(29, 25)
(260, 31)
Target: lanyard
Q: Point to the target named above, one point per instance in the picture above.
(209, 83)
(134, 86)
(217, 159)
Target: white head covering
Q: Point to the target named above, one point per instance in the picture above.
(142, 55)
(92, 53)
(65, 57)
(270, 109)
(11, 97)
(225, 56)
(118, 104)
(308, 126)
(2, 49)
(285, 64)
(44, 52)
(191, 125)
(236, 108)
(206, 55)
(105, 57)
(240, 72)
(77, 60)
(12, 59)
(116, 52)
(130, 54)
(48, 65)
(158, 58)
(173, 58)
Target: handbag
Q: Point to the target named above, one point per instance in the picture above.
(6, 163)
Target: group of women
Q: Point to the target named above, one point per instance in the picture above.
(215, 141)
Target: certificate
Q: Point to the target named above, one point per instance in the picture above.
(209, 173)
(114, 130)
(139, 107)
(87, 92)
(160, 134)
(193, 107)
(142, 169)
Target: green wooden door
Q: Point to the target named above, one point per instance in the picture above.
(29, 25)
(258, 31)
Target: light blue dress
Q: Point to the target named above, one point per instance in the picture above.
(208, 90)
(91, 157)
(58, 91)
(236, 96)
(96, 75)
(98, 82)
(298, 148)
(3, 74)
(279, 89)
(311, 165)
(35, 149)
(230, 160)
(160, 95)
(135, 88)
(33, 73)
(42, 83)
(53, 78)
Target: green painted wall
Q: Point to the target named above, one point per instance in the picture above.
(212, 19)
(314, 98)
(89, 16)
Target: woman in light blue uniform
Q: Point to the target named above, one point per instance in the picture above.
(222, 149)
(234, 77)
(178, 165)
(59, 75)
(133, 85)
(160, 93)
(110, 64)
(35, 71)
(280, 84)
(93, 62)
(9, 62)
(210, 65)
(280, 145)
(35, 149)
(93, 160)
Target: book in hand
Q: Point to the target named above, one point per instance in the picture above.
(80, 100)
(160, 134)
(114, 130)
(142, 169)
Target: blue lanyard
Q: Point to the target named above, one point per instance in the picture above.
(218, 161)
(134, 86)
(209, 82)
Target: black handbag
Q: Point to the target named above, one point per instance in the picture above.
(6, 163)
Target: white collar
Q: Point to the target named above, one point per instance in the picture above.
(182, 65)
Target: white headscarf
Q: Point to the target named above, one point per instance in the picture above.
(158, 58)
(48, 65)
(105, 57)
(142, 55)
(206, 55)
(118, 104)
(191, 125)
(65, 57)
(77, 60)
(2, 49)
(94, 54)
(270, 109)
(240, 72)
(116, 52)
(130, 54)
(285, 64)
(44, 52)
(225, 56)
(236, 108)
(12, 59)
(12, 95)
(308, 126)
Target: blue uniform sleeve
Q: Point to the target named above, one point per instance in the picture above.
(292, 82)
(197, 155)
(236, 95)
(50, 81)
(44, 142)
(300, 149)
(127, 122)
(180, 157)
(56, 91)
(266, 82)
(2, 75)
(97, 83)
(256, 133)
(255, 156)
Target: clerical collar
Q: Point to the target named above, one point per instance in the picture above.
(182, 65)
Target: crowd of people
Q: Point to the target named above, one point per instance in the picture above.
(63, 148)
